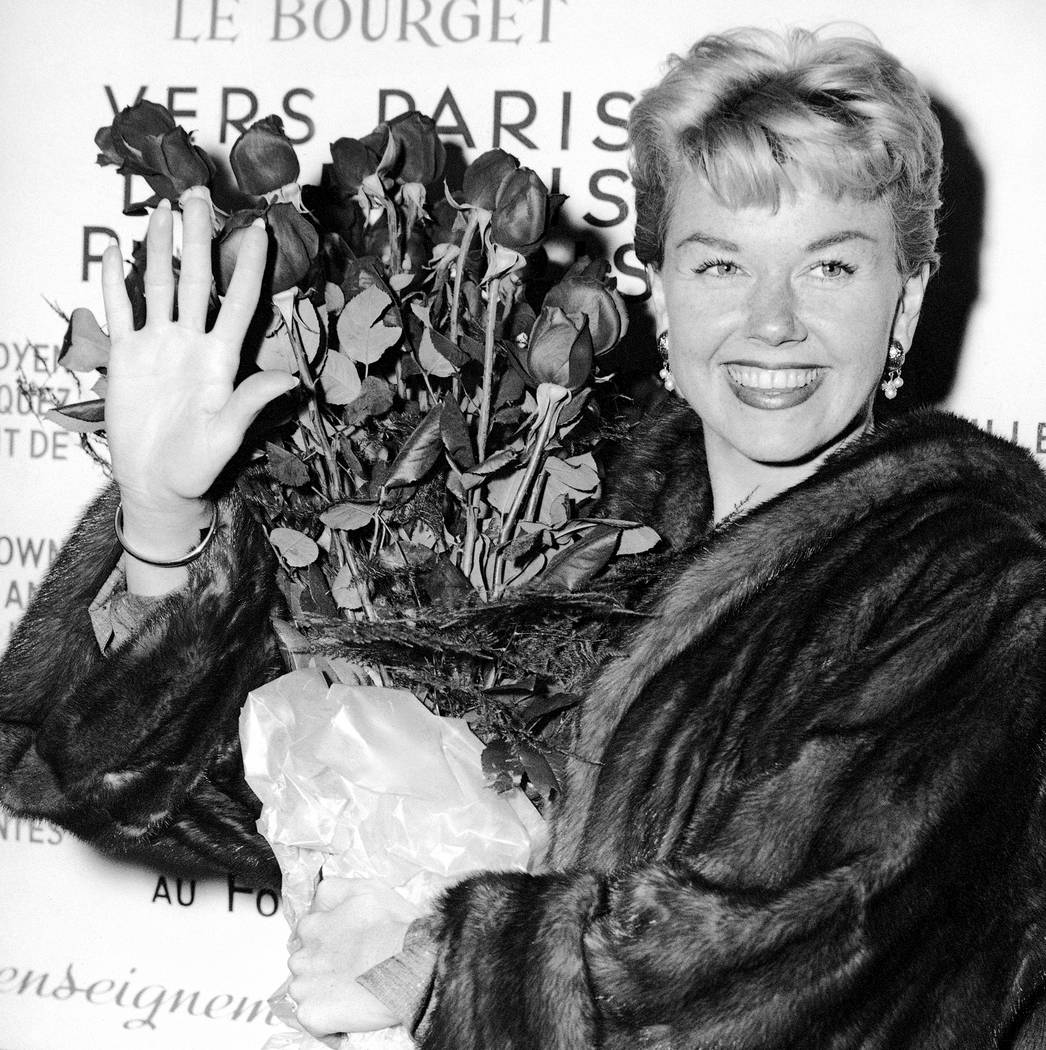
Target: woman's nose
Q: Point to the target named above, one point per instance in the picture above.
(772, 313)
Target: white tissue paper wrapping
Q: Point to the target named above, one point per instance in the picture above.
(365, 782)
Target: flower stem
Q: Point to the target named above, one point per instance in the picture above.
(349, 557)
(392, 218)
(459, 273)
(549, 409)
(534, 502)
(488, 367)
(468, 550)
(330, 458)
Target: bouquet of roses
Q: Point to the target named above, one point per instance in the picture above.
(424, 489)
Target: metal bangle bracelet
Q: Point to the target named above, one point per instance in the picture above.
(175, 563)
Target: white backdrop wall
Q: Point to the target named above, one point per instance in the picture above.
(97, 954)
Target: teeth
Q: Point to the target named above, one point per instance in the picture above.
(772, 378)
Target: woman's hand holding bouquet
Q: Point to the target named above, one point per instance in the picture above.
(354, 924)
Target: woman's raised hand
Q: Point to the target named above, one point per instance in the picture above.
(172, 415)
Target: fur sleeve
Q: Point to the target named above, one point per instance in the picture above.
(585, 960)
(137, 751)
(659, 475)
(849, 857)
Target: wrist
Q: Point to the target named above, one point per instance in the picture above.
(164, 534)
(174, 518)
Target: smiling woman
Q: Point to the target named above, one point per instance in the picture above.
(780, 320)
(806, 801)
(786, 195)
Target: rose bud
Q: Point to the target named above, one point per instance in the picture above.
(176, 164)
(521, 214)
(293, 244)
(144, 140)
(353, 160)
(484, 176)
(560, 349)
(420, 155)
(586, 289)
(297, 244)
(335, 211)
(263, 158)
(132, 127)
(227, 245)
(108, 153)
(446, 226)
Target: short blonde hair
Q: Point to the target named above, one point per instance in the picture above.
(750, 110)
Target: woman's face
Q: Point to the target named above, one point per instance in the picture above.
(780, 322)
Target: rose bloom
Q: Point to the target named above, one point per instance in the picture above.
(484, 176)
(293, 244)
(559, 349)
(144, 140)
(586, 289)
(122, 142)
(352, 161)
(521, 214)
(263, 158)
(420, 155)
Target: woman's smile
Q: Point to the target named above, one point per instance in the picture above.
(773, 388)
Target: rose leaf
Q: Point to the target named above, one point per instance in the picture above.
(340, 380)
(419, 452)
(349, 516)
(296, 549)
(285, 467)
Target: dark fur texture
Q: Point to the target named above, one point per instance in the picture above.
(808, 805)
(138, 751)
(811, 813)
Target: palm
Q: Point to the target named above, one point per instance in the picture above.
(163, 412)
(173, 416)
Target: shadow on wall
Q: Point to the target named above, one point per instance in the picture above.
(929, 372)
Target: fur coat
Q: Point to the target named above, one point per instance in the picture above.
(805, 807)
(137, 751)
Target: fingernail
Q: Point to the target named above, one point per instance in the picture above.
(113, 243)
(165, 204)
(259, 222)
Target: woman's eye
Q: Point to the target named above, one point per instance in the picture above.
(717, 267)
(832, 268)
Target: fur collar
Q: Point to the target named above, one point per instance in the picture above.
(917, 457)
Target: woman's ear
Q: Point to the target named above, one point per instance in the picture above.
(657, 298)
(909, 305)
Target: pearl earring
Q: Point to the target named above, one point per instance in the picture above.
(667, 379)
(894, 363)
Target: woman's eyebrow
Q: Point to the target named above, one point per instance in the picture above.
(839, 238)
(700, 237)
(697, 237)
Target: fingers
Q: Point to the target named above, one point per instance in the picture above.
(298, 962)
(332, 892)
(159, 277)
(311, 927)
(243, 406)
(242, 297)
(194, 278)
(118, 313)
